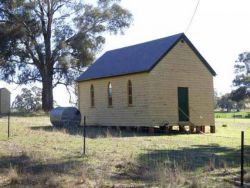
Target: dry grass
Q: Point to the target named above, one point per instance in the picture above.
(13, 176)
(171, 177)
(37, 155)
(247, 177)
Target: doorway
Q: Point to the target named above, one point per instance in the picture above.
(183, 106)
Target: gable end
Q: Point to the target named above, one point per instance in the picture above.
(197, 53)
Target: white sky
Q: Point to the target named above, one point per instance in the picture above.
(220, 31)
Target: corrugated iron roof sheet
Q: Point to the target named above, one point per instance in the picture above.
(135, 59)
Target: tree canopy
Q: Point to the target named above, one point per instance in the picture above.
(226, 102)
(29, 100)
(242, 78)
(50, 41)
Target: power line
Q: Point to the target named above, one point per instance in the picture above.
(190, 22)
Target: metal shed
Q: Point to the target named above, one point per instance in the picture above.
(4, 101)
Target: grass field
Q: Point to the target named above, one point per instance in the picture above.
(241, 114)
(37, 155)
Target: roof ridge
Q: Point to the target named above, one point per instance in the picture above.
(137, 44)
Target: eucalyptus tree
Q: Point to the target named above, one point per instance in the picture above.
(29, 100)
(50, 41)
(241, 81)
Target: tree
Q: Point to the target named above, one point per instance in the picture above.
(30, 100)
(238, 96)
(240, 105)
(225, 102)
(50, 41)
(228, 102)
(216, 98)
(242, 78)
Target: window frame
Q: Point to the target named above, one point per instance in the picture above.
(130, 93)
(110, 95)
(92, 96)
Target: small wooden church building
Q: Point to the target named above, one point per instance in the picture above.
(4, 101)
(148, 84)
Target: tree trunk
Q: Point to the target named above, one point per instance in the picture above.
(47, 94)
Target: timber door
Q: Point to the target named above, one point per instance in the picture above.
(183, 107)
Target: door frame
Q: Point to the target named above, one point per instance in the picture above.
(188, 104)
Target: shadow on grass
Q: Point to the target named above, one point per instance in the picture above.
(196, 156)
(25, 165)
(32, 172)
(193, 159)
(101, 131)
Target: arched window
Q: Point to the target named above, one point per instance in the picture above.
(109, 94)
(130, 93)
(92, 96)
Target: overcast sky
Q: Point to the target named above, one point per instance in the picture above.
(220, 31)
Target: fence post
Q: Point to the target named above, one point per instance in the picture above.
(84, 135)
(242, 160)
(9, 125)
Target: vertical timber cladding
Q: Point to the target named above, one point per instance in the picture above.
(4, 101)
(183, 104)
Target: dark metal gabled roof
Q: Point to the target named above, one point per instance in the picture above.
(136, 59)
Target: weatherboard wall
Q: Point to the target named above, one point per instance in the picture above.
(120, 114)
(181, 67)
(154, 93)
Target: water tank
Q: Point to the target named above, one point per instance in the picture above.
(65, 117)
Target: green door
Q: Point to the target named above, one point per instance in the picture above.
(183, 108)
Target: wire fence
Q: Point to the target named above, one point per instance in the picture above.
(200, 151)
(194, 155)
(190, 152)
(207, 152)
(187, 151)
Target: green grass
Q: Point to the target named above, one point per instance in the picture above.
(38, 155)
(241, 114)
